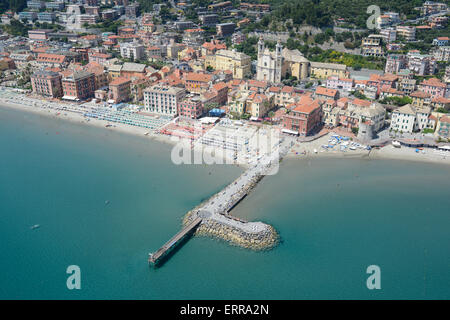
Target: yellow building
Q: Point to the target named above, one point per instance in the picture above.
(149, 27)
(114, 71)
(295, 64)
(321, 70)
(238, 106)
(420, 99)
(259, 104)
(237, 62)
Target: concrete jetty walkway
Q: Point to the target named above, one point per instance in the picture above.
(213, 218)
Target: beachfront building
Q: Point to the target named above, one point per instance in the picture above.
(410, 118)
(259, 104)
(163, 99)
(119, 90)
(191, 107)
(443, 127)
(362, 112)
(79, 85)
(303, 117)
(46, 83)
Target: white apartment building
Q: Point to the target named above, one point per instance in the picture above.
(163, 99)
(407, 32)
(410, 118)
(389, 35)
(442, 54)
(421, 64)
(132, 50)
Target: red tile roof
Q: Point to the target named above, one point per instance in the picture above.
(326, 92)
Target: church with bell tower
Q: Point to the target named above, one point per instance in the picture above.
(270, 64)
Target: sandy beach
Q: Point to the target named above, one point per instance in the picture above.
(79, 118)
(305, 150)
(300, 150)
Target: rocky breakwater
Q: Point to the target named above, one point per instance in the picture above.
(218, 223)
(250, 235)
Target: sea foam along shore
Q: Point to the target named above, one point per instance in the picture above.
(306, 150)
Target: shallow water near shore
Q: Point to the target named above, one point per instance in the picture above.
(335, 218)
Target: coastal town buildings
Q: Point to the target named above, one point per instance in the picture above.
(443, 127)
(395, 63)
(191, 107)
(421, 64)
(323, 93)
(406, 32)
(197, 82)
(237, 62)
(273, 66)
(187, 67)
(78, 86)
(320, 70)
(269, 64)
(163, 99)
(132, 50)
(225, 29)
(410, 118)
(434, 87)
(47, 83)
(334, 82)
(442, 54)
(304, 117)
(120, 90)
(371, 46)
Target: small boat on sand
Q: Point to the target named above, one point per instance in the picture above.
(396, 144)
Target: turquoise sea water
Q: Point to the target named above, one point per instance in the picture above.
(335, 217)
